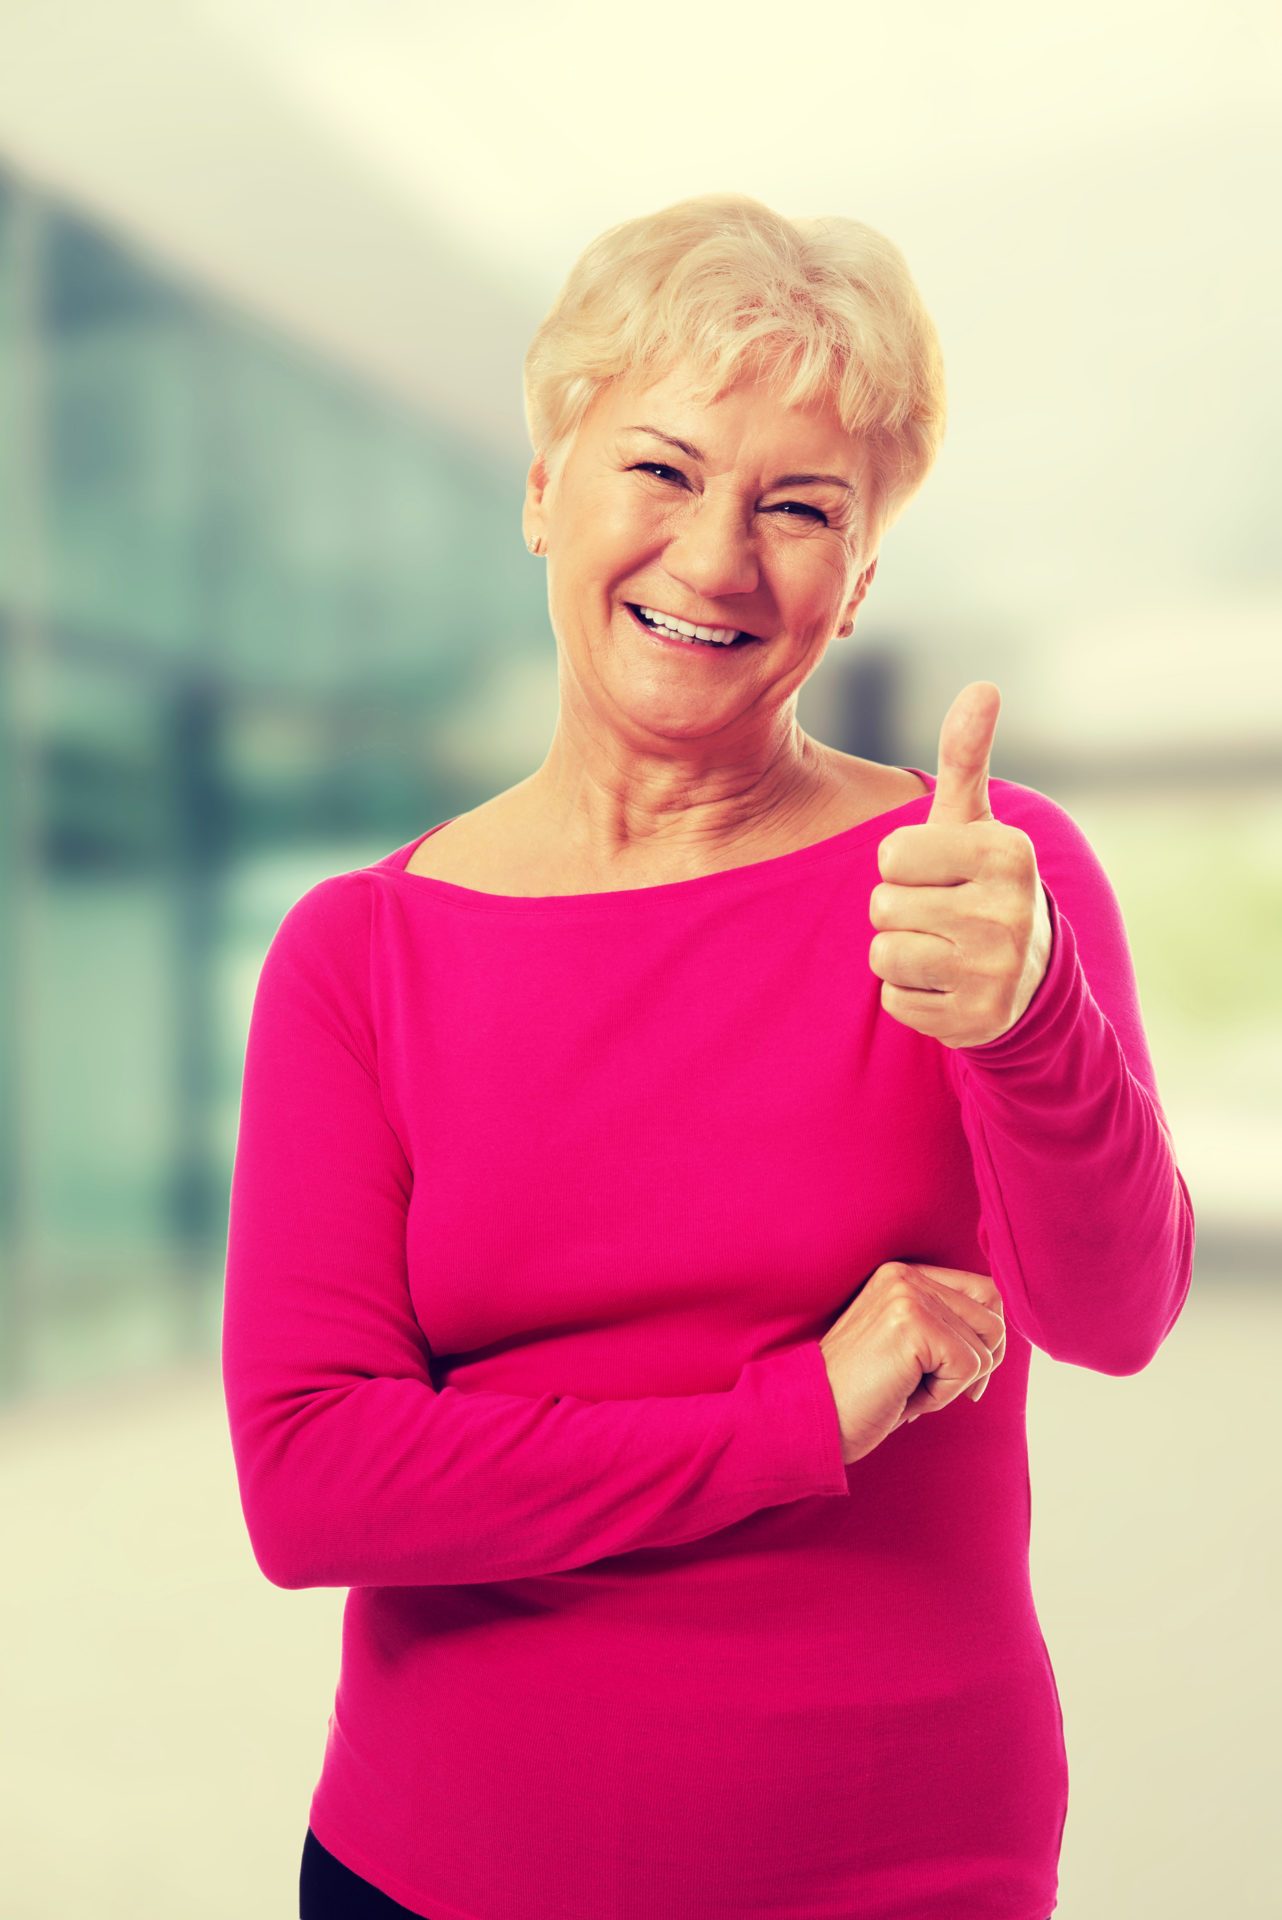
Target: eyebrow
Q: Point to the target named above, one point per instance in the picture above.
(784, 479)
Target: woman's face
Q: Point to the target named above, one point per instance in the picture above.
(715, 533)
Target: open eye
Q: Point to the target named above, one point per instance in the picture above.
(657, 466)
(805, 507)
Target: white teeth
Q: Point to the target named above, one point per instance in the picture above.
(720, 636)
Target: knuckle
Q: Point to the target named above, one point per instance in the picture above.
(1012, 917)
(888, 850)
(1021, 853)
(894, 1272)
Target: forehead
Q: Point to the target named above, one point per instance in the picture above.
(745, 422)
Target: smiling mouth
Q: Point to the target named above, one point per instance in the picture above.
(682, 639)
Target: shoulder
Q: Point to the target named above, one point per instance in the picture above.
(332, 916)
(314, 991)
(318, 960)
(1012, 800)
(1071, 871)
(1057, 838)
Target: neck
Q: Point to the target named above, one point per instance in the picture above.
(602, 809)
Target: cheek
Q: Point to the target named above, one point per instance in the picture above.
(805, 594)
(614, 525)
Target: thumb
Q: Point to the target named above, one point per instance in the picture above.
(965, 745)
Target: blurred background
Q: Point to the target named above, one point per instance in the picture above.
(267, 275)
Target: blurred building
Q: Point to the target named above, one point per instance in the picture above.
(242, 594)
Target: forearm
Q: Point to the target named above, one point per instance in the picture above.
(386, 1482)
(1085, 1216)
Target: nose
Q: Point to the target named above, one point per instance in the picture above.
(713, 555)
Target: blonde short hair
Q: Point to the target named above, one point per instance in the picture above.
(821, 309)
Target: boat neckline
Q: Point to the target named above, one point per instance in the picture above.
(395, 865)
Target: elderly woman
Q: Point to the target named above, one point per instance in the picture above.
(627, 1165)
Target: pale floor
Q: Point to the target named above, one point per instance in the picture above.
(165, 1707)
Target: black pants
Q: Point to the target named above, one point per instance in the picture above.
(327, 1890)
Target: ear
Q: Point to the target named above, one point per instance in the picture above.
(865, 581)
(536, 482)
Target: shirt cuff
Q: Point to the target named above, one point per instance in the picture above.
(792, 1422)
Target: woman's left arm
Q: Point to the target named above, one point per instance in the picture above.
(1085, 1218)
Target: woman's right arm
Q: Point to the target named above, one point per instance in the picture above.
(353, 1469)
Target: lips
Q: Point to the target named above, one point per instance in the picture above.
(741, 638)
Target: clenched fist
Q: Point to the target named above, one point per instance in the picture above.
(965, 935)
(912, 1339)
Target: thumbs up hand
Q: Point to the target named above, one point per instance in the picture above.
(965, 934)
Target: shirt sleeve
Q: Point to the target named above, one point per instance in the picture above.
(1085, 1217)
(353, 1468)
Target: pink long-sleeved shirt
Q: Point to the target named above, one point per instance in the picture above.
(539, 1210)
